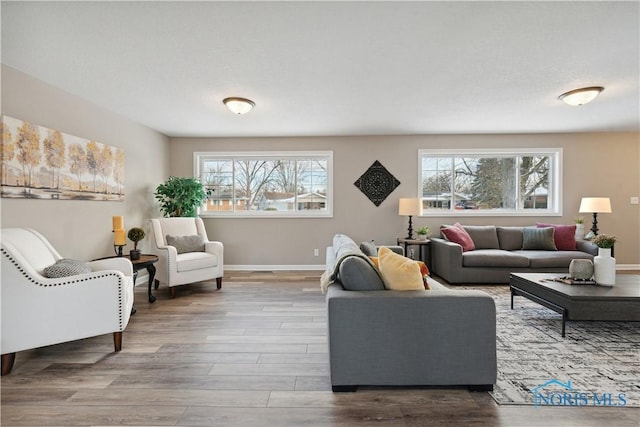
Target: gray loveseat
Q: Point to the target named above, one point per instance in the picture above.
(378, 337)
(499, 252)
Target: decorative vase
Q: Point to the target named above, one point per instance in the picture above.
(422, 237)
(604, 267)
(579, 231)
(581, 269)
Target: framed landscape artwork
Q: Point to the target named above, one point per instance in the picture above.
(42, 163)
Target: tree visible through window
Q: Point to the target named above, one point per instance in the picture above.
(490, 181)
(266, 183)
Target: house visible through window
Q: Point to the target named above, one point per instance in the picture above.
(266, 183)
(490, 182)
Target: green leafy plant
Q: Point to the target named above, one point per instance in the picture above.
(135, 235)
(180, 196)
(423, 230)
(604, 241)
(579, 220)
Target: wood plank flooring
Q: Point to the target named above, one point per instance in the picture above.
(251, 354)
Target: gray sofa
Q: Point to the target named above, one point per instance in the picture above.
(378, 337)
(499, 252)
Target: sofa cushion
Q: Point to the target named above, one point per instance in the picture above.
(483, 236)
(358, 274)
(534, 238)
(494, 258)
(189, 261)
(399, 273)
(184, 244)
(457, 234)
(558, 259)
(510, 238)
(369, 248)
(564, 236)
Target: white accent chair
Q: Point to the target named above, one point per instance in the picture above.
(176, 268)
(38, 311)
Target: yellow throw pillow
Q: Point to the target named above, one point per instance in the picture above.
(374, 261)
(399, 273)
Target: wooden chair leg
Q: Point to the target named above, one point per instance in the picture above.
(7, 362)
(219, 282)
(172, 292)
(117, 341)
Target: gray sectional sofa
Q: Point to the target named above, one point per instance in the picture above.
(379, 337)
(499, 252)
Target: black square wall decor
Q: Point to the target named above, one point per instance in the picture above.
(377, 183)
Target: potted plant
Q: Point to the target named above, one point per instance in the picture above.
(423, 233)
(135, 235)
(579, 220)
(180, 196)
(604, 265)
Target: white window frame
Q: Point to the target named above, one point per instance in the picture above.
(555, 177)
(200, 156)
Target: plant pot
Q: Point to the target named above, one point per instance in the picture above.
(579, 231)
(134, 254)
(604, 267)
(422, 237)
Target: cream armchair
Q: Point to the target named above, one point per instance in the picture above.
(185, 253)
(38, 311)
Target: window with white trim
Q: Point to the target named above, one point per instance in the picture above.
(266, 183)
(491, 182)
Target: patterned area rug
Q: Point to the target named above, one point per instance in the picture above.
(596, 363)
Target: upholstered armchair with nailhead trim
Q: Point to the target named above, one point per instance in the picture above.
(47, 300)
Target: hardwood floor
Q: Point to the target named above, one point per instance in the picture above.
(251, 354)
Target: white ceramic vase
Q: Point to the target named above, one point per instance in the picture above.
(579, 231)
(604, 267)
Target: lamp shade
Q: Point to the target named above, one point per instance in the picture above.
(581, 96)
(595, 205)
(410, 207)
(239, 105)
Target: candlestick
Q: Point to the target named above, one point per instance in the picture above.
(119, 237)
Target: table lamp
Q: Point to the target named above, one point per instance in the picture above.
(410, 207)
(595, 205)
(119, 234)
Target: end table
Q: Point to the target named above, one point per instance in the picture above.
(145, 261)
(425, 252)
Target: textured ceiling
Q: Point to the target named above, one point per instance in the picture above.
(337, 68)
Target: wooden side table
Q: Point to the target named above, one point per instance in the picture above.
(425, 251)
(145, 261)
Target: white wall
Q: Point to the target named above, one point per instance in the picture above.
(82, 229)
(595, 164)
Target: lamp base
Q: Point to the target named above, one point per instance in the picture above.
(594, 225)
(410, 230)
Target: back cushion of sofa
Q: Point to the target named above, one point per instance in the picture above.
(483, 236)
(357, 274)
(510, 238)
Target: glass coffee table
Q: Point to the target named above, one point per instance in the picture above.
(620, 302)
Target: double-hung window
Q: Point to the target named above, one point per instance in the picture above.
(491, 182)
(266, 183)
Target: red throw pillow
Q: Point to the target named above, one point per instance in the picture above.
(457, 234)
(564, 236)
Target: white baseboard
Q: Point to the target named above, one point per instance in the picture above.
(627, 267)
(241, 267)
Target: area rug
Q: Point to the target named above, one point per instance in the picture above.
(596, 363)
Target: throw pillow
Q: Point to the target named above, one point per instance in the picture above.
(483, 236)
(66, 267)
(457, 234)
(399, 273)
(424, 270)
(541, 239)
(375, 261)
(184, 244)
(564, 236)
(369, 248)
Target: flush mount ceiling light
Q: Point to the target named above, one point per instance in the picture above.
(239, 105)
(581, 96)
